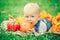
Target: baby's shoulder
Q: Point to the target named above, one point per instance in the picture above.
(45, 20)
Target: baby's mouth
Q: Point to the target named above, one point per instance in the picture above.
(31, 23)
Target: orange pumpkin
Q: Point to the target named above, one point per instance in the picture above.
(25, 27)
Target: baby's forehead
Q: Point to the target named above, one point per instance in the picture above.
(31, 5)
(31, 14)
(31, 8)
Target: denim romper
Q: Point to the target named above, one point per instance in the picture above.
(47, 22)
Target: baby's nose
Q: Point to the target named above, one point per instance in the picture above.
(29, 20)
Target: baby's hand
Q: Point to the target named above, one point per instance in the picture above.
(32, 30)
(26, 27)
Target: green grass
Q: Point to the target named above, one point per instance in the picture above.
(5, 35)
(15, 7)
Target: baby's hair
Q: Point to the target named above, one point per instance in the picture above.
(32, 7)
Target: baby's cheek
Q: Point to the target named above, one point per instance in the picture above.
(26, 19)
(34, 22)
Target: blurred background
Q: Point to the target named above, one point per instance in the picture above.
(15, 7)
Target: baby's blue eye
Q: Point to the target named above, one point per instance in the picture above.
(32, 16)
(26, 16)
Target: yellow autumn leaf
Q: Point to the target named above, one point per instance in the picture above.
(20, 19)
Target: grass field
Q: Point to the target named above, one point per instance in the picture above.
(5, 35)
(15, 7)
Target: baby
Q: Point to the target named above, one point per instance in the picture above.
(32, 15)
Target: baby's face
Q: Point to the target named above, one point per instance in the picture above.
(31, 13)
(31, 17)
